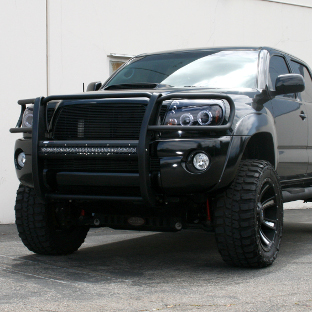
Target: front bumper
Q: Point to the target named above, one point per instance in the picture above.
(168, 174)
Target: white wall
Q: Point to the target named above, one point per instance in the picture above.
(81, 33)
(22, 75)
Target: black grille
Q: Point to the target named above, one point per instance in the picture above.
(92, 165)
(99, 122)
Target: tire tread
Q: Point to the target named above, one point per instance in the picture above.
(36, 229)
(235, 221)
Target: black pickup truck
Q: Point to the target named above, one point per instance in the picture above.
(216, 139)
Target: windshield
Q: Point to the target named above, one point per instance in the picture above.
(206, 69)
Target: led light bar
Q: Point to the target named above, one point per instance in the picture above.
(88, 150)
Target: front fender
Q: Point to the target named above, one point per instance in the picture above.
(245, 129)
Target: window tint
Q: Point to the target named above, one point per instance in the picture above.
(277, 67)
(298, 68)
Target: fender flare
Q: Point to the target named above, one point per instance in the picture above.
(245, 128)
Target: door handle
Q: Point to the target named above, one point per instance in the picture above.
(303, 115)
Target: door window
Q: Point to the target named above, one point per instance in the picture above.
(298, 68)
(277, 67)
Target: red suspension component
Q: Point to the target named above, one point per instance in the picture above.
(208, 210)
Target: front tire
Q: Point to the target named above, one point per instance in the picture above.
(38, 226)
(248, 216)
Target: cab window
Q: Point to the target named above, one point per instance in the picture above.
(298, 68)
(277, 67)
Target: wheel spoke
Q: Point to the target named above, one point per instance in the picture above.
(269, 224)
(270, 202)
(265, 240)
(266, 187)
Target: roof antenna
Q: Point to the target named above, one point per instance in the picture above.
(83, 87)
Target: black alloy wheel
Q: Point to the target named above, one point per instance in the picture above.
(267, 214)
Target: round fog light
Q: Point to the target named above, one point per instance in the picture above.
(201, 161)
(21, 159)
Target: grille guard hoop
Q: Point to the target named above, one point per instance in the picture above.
(148, 124)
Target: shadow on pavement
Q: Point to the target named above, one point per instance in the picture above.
(188, 256)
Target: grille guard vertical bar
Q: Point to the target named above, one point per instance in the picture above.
(37, 134)
(143, 151)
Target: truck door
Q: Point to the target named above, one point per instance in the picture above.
(290, 116)
(306, 98)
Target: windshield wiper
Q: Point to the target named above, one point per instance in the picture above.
(139, 85)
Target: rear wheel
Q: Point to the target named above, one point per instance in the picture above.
(248, 216)
(46, 228)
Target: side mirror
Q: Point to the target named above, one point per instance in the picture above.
(94, 86)
(289, 83)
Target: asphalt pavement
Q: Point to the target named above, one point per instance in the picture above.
(148, 271)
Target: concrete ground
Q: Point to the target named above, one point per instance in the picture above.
(141, 271)
(298, 204)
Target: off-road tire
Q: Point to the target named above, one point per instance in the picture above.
(248, 216)
(38, 229)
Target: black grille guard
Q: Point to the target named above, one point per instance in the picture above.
(148, 196)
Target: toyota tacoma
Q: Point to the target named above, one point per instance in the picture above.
(216, 139)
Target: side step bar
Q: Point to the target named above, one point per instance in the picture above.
(292, 194)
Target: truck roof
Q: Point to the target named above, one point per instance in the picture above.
(241, 48)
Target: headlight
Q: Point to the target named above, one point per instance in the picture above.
(195, 113)
(28, 117)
